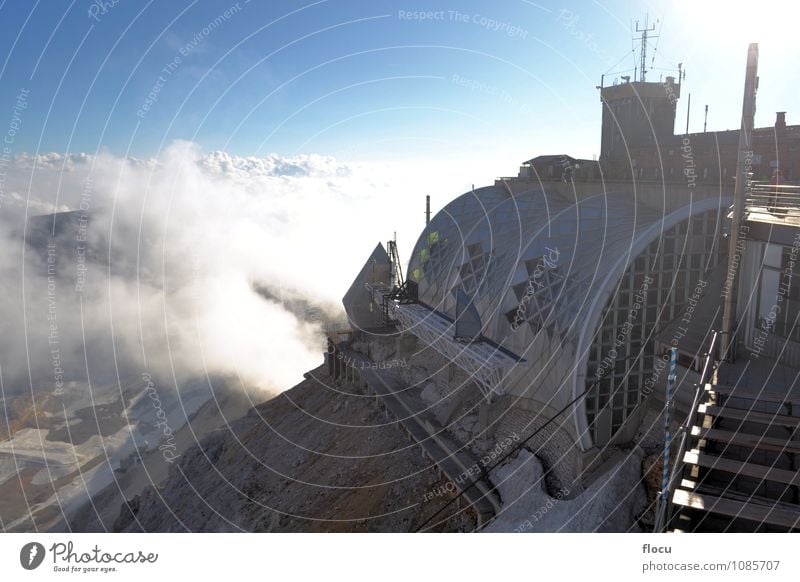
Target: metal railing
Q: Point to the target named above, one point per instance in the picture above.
(663, 516)
(776, 199)
(484, 363)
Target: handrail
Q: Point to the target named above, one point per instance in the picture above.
(662, 515)
(774, 198)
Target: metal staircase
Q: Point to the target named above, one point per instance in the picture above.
(738, 463)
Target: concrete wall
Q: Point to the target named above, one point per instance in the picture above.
(659, 195)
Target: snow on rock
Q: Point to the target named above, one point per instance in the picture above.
(381, 351)
(415, 375)
(610, 504)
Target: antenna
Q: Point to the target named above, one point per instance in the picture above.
(705, 121)
(428, 207)
(394, 259)
(688, 109)
(643, 38)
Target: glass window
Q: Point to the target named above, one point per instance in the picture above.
(677, 269)
(768, 298)
(773, 255)
(778, 304)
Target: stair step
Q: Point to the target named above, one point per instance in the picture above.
(750, 498)
(741, 392)
(780, 516)
(750, 415)
(747, 440)
(740, 468)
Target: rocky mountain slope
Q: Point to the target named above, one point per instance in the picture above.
(320, 457)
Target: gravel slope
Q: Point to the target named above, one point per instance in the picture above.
(297, 463)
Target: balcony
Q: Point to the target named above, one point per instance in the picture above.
(773, 203)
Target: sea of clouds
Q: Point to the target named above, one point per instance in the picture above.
(178, 246)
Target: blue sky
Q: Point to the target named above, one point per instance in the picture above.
(368, 80)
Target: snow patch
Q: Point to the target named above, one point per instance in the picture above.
(610, 504)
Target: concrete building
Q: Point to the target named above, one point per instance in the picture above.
(579, 276)
(639, 146)
(572, 290)
(559, 167)
(636, 115)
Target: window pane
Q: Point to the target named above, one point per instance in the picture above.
(773, 255)
(769, 291)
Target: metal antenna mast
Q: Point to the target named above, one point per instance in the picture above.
(427, 210)
(644, 38)
(394, 258)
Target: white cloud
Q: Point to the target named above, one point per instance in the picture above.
(189, 235)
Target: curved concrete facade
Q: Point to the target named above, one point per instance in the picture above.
(544, 272)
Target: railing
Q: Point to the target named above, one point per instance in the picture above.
(663, 516)
(341, 326)
(776, 199)
(484, 363)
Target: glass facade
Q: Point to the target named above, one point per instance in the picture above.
(653, 291)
